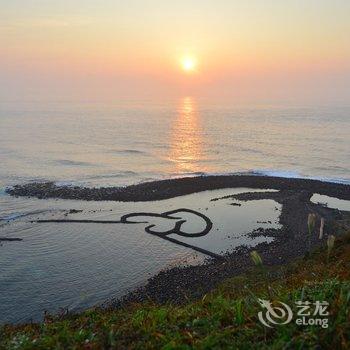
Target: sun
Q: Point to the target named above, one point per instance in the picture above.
(188, 63)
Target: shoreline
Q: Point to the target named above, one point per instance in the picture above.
(165, 189)
(180, 284)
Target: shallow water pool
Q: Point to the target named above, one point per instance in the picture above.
(75, 265)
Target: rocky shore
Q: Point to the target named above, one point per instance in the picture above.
(164, 189)
(292, 241)
(181, 283)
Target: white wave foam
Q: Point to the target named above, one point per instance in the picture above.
(272, 173)
(296, 175)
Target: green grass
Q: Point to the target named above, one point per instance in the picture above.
(224, 319)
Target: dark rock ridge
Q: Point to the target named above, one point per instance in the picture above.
(164, 189)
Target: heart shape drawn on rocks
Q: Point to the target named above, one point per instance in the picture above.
(169, 215)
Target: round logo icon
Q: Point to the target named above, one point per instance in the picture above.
(274, 314)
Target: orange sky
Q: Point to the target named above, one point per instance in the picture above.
(264, 50)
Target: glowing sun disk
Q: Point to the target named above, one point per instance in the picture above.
(188, 64)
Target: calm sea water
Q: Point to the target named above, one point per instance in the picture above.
(130, 142)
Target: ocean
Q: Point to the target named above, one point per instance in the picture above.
(122, 143)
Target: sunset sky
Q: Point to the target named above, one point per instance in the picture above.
(249, 51)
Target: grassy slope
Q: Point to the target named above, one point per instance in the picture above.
(226, 318)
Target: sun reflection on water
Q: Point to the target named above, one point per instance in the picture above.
(187, 138)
